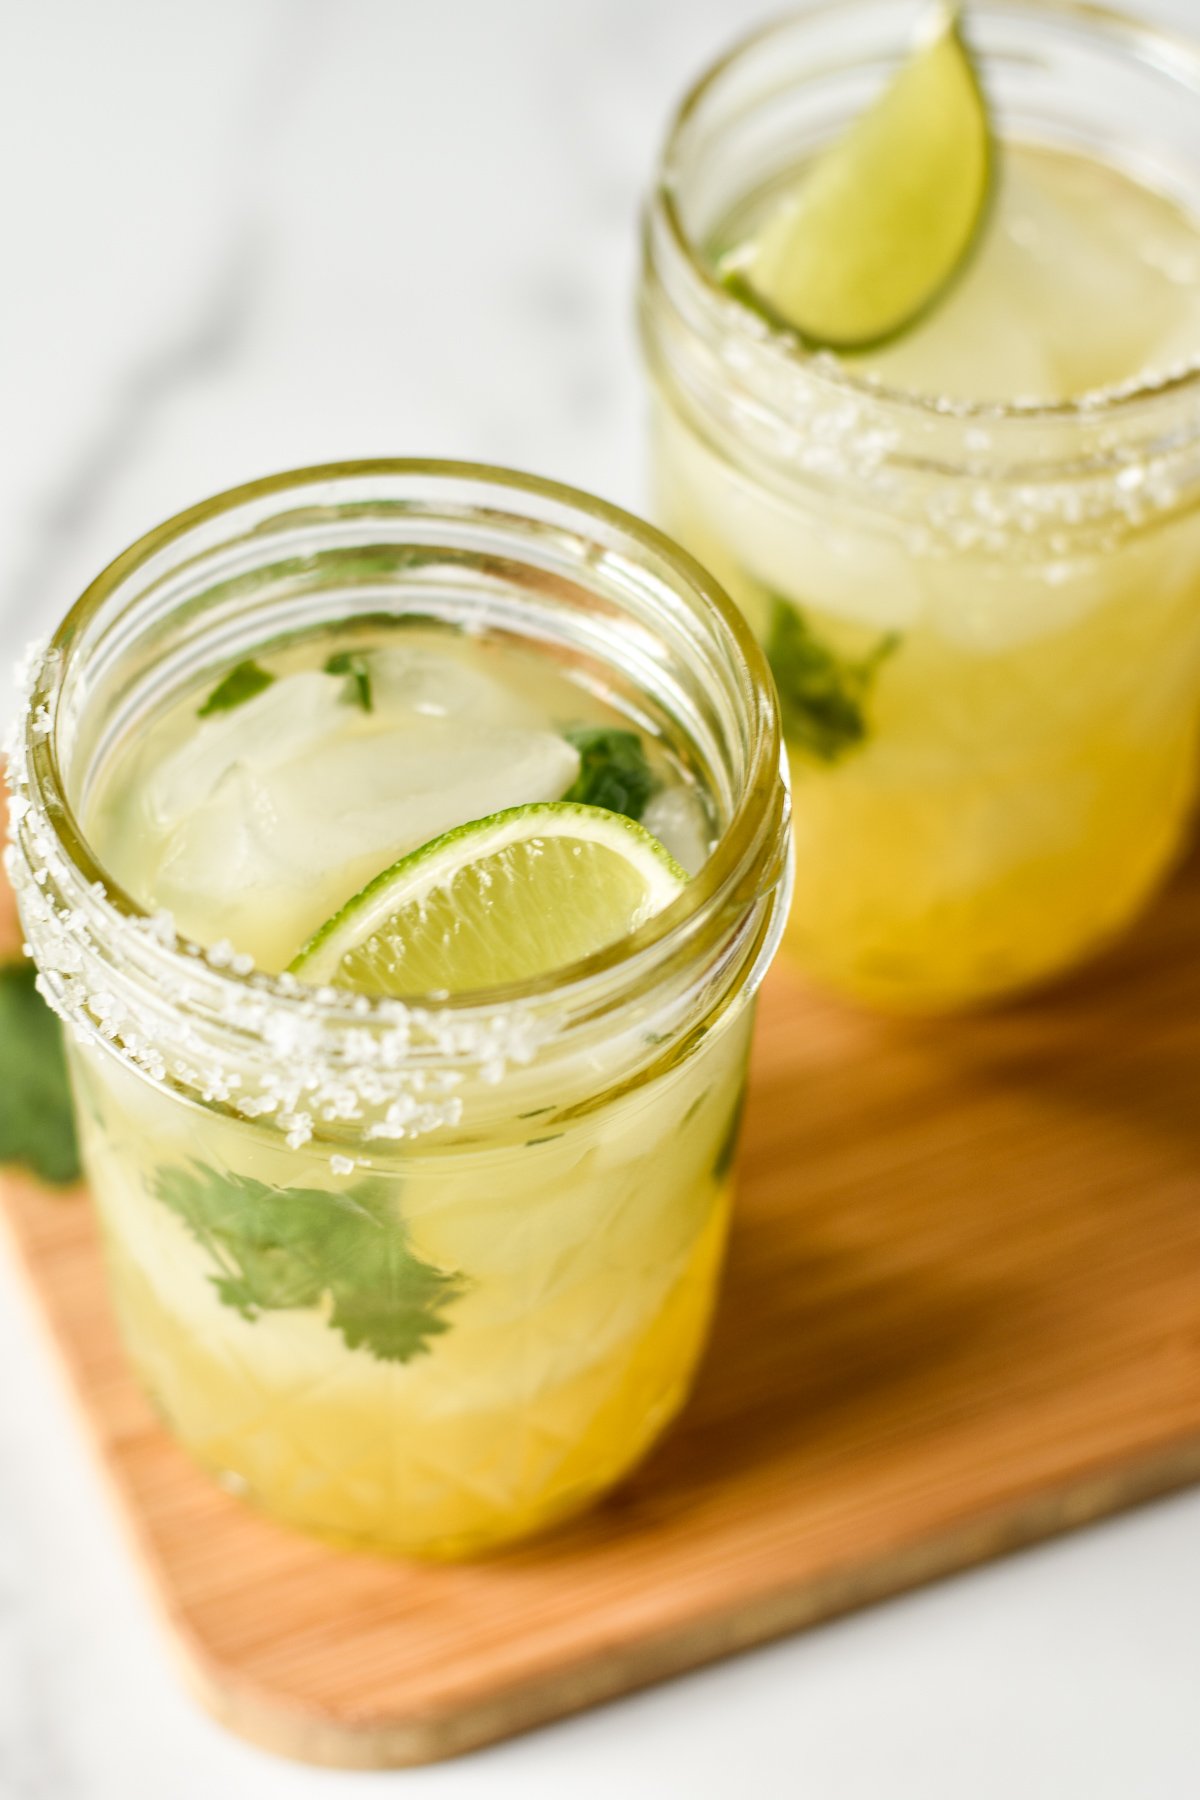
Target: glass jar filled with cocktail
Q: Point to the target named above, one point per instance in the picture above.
(922, 312)
(403, 846)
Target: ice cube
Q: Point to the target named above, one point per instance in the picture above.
(291, 716)
(984, 340)
(676, 817)
(1080, 277)
(273, 852)
(388, 792)
(412, 681)
(1077, 229)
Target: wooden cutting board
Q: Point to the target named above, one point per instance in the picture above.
(962, 1313)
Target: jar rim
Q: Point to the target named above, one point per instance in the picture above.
(1176, 54)
(757, 817)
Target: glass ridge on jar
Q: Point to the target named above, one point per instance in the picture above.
(1005, 596)
(547, 1166)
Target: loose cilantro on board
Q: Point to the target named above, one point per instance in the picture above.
(356, 690)
(613, 770)
(281, 1248)
(241, 684)
(37, 1122)
(822, 696)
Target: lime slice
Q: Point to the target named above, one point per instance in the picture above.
(503, 899)
(886, 217)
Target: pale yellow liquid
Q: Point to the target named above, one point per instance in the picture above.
(582, 1201)
(1029, 759)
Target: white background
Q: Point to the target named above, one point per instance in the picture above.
(243, 235)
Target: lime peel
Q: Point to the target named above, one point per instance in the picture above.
(886, 217)
(499, 900)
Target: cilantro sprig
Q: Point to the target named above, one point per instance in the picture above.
(729, 1143)
(356, 689)
(613, 770)
(282, 1248)
(241, 684)
(822, 696)
(37, 1121)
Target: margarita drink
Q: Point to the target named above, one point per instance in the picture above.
(971, 551)
(421, 1271)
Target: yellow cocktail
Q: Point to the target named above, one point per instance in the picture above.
(419, 1270)
(972, 552)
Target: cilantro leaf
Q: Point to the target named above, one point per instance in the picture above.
(37, 1122)
(241, 684)
(281, 1248)
(613, 771)
(822, 696)
(354, 666)
(729, 1143)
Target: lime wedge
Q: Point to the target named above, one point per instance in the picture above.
(503, 899)
(886, 217)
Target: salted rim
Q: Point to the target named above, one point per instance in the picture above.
(702, 896)
(1178, 53)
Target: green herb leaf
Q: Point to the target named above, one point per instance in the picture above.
(281, 1248)
(37, 1122)
(613, 771)
(241, 684)
(729, 1143)
(822, 696)
(356, 690)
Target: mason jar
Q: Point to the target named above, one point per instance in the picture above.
(984, 617)
(521, 1194)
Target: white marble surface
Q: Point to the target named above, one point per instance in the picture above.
(257, 233)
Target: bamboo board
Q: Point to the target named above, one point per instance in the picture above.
(962, 1313)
